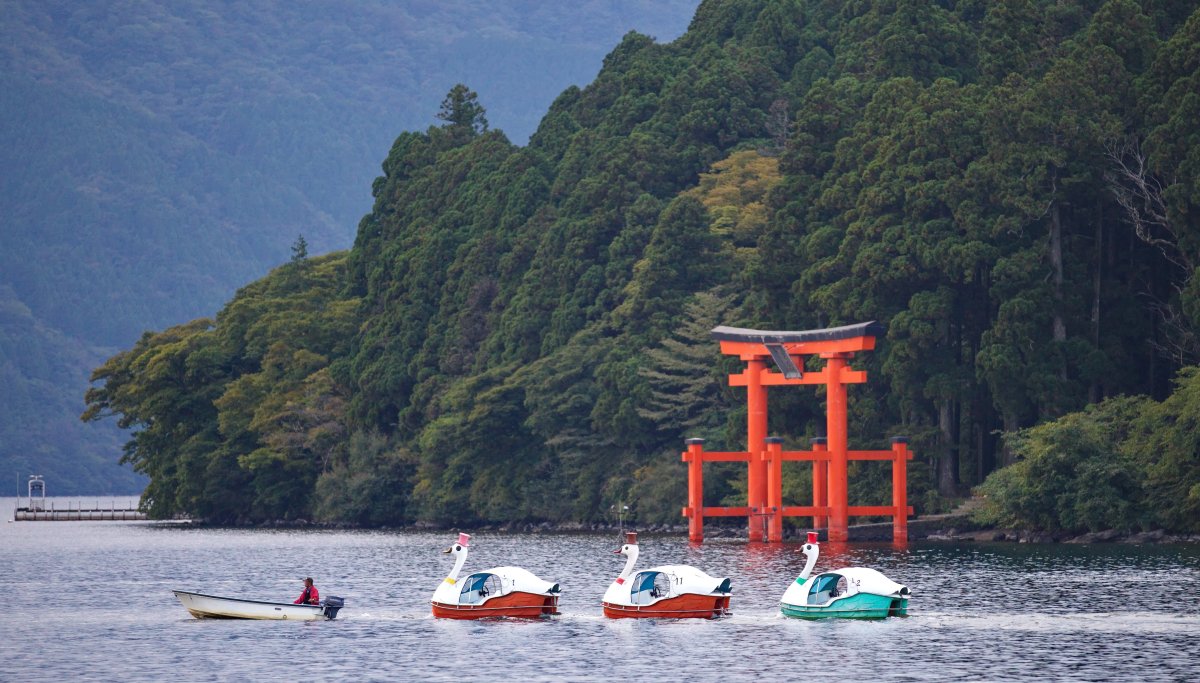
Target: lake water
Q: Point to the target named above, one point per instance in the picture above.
(92, 601)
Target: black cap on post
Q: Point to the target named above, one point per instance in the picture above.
(820, 441)
(690, 442)
(899, 439)
(773, 439)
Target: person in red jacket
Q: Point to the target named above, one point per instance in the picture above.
(310, 596)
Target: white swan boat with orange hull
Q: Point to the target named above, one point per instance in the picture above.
(496, 592)
(204, 606)
(671, 591)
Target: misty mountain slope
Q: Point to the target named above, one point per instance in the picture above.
(160, 154)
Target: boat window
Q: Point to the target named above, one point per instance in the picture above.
(477, 587)
(648, 587)
(825, 588)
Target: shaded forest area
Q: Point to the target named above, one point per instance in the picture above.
(520, 333)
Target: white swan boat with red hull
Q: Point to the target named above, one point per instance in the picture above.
(204, 606)
(496, 592)
(671, 591)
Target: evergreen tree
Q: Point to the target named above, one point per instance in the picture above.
(299, 249)
(684, 372)
(461, 110)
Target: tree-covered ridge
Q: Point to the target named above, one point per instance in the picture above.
(235, 418)
(993, 181)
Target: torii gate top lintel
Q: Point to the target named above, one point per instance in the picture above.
(747, 343)
(742, 334)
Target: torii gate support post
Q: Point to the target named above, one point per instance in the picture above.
(900, 489)
(756, 431)
(694, 457)
(820, 483)
(835, 427)
(773, 459)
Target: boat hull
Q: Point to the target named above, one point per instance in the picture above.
(857, 606)
(515, 604)
(204, 606)
(691, 606)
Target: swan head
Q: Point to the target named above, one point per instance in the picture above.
(810, 546)
(630, 545)
(459, 547)
(811, 550)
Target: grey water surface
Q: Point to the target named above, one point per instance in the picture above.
(92, 601)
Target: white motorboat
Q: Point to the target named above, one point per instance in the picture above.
(204, 606)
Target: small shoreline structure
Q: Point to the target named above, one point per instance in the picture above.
(38, 509)
(787, 352)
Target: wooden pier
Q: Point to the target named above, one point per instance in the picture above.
(76, 511)
(38, 508)
(78, 514)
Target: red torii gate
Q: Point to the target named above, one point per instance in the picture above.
(765, 455)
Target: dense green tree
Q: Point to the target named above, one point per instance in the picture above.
(1075, 474)
(236, 418)
(1167, 445)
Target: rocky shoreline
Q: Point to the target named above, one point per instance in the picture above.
(949, 528)
(1107, 536)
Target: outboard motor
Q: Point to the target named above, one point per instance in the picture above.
(331, 605)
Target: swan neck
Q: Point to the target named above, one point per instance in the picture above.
(632, 560)
(812, 561)
(459, 561)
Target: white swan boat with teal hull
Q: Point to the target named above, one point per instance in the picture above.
(849, 593)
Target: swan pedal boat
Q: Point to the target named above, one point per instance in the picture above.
(671, 591)
(848, 593)
(496, 592)
(204, 606)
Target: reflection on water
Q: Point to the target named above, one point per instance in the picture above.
(94, 600)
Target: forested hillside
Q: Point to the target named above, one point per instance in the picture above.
(158, 154)
(1009, 187)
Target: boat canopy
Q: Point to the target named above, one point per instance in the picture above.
(477, 587)
(649, 586)
(826, 587)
